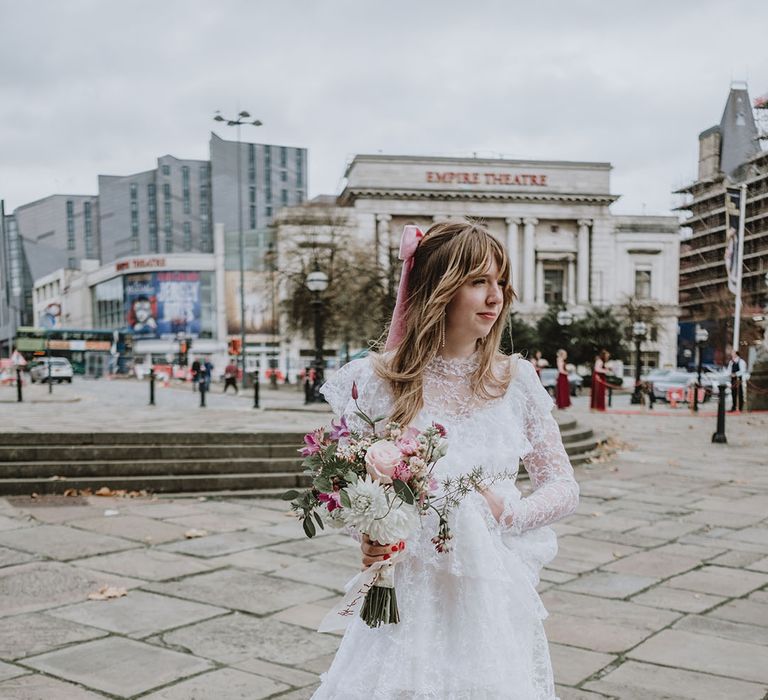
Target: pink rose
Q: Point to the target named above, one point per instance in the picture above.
(381, 460)
(407, 442)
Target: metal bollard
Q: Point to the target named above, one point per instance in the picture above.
(256, 389)
(719, 434)
(610, 396)
(307, 388)
(152, 386)
(19, 397)
(203, 388)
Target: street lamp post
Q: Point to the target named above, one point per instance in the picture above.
(702, 335)
(242, 118)
(564, 318)
(317, 283)
(639, 331)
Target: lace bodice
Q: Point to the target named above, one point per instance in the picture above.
(493, 433)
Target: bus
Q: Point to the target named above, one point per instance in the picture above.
(92, 352)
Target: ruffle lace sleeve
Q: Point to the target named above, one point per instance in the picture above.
(371, 394)
(556, 493)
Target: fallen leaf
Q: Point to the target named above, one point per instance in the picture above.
(104, 491)
(190, 534)
(106, 592)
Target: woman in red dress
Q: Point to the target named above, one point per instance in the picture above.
(563, 386)
(597, 396)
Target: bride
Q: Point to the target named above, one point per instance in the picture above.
(471, 619)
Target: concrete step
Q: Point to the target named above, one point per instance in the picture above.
(158, 483)
(576, 435)
(113, 468)
(38, 439)
(73, 453)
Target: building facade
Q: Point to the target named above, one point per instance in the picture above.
(729, 155)
(565, 245)
(270, 177)
(164, 210)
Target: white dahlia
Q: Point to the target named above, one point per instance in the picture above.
(396, 525)
(368, 501)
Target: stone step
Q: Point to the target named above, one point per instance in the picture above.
(576, 435)
(72, 453)
(158, 483)
(179, 467)
(36, 439)
(179, 462)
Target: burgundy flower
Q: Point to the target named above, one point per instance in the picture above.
(354, 391)
(440, 429)
(332, 500)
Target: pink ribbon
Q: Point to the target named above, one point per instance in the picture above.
(409, 242)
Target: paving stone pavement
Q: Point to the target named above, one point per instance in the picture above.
(660, 589)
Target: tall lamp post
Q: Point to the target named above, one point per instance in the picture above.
(639, 331)
(317, 283)
(702, 336)
(242, 118)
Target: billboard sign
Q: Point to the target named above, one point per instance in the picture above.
(260, 310)
(163, 304)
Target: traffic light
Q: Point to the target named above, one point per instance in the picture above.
(184, 346)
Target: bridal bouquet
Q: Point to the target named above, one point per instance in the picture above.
(377, 484)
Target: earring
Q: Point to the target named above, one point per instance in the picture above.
(443, 333)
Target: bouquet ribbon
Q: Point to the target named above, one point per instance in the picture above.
(355, 590)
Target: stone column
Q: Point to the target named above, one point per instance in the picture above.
(382, 240)
(540, 282)
(529, 259)
(583, 261)
(571, 282)
(513, 250)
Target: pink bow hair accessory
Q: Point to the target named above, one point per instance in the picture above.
(409, 242)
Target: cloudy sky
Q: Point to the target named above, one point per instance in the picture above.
(107, 86)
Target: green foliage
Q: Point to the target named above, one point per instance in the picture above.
(518, 336)
(599, 330)
(552, 336)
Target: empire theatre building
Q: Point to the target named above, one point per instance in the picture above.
(565, 245)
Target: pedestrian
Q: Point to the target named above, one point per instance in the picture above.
(230, 376)
(207, 370)
(563, 385)
(195, 373)
(471, 621)
(597, 391)
(737, 368)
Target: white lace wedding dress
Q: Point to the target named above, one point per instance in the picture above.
(471, 620)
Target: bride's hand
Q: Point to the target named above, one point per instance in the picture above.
(495, 503)
(373, 551)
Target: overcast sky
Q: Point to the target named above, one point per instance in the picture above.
(107, 86)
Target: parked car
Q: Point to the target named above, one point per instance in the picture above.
(675, 381)
(549, 380)
(61, 370)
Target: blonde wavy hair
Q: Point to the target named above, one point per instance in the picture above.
(449, 254)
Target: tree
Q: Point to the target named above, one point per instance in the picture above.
(356, 303)
(518, 336)
(599, 330)
(551, 335)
